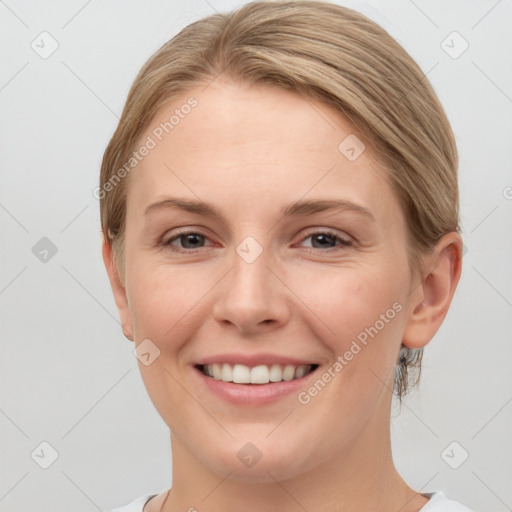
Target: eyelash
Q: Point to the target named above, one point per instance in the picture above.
(342, 242)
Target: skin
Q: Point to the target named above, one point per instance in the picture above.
(250, 151)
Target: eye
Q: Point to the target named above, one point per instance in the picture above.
(189, 240)
(327, 239)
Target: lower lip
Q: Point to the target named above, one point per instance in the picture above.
(253, 394)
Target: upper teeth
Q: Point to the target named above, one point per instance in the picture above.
(263, 374)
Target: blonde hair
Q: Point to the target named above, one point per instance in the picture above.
(326, 52)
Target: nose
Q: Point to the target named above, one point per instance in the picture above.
(252, 298)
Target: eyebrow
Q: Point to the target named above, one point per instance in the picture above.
(297, 208)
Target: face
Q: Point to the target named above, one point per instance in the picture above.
(259, 248)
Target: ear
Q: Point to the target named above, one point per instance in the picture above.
(118, 289)
(432, 297)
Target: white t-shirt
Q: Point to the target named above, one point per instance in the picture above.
(438, 502)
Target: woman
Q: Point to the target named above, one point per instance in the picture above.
(279, 206)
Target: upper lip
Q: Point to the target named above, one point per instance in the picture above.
(252, 360)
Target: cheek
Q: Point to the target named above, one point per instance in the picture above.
(349, 300)
(165, 304)
(164, 299)
(361, 315)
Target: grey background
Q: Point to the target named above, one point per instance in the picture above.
(68, 376)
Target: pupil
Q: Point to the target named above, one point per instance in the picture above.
(191, 238)
(324, 238)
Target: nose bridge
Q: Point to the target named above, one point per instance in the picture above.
(251, 294)
(250, 280)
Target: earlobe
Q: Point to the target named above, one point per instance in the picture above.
(118, 289)
(433, 296)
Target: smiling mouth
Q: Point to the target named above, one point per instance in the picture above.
(261, 374)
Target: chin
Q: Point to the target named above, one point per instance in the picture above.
(247, 463)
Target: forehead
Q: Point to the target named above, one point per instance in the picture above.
(247, 143)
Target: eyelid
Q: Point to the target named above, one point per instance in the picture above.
(344, 241)
(166, 241)
(331, 232)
